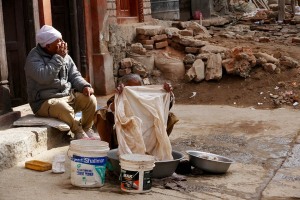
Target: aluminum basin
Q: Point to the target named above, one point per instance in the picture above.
(209, 162)
(161, 169)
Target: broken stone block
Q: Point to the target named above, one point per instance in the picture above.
(269, 67)
(148, 47)
(172, 68)
(186, 32)
(158, 38)
(146, 60)
(267, 57)
(199, 70)
(193, 50)
(214, 67)
(160, 45)
(149, 30)
(191, 42)
(170, 31)
(176, 37)
(241, 62)
(147, 42)
(195, 27)
(138, 48)
(214, 49)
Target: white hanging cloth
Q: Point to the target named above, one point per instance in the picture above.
(141, 114)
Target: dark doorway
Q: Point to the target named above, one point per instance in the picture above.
(67, 17)
(15, 39)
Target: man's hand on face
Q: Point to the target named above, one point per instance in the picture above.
(62, 48)
(88, 91)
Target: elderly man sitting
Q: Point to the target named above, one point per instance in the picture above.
(55, 87)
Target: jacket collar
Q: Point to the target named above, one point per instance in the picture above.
(42, 52)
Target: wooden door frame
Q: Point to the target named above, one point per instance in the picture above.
(138, 11)
(78, 36)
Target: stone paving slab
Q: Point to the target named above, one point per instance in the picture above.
(263, 143)
(286, 182)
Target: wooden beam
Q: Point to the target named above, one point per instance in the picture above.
(45, 12)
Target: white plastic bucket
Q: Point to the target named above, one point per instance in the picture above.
(136, 172)
(88, 162)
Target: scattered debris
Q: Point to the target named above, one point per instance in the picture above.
(193, 94)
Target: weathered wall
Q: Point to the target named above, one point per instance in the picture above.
(119, 37)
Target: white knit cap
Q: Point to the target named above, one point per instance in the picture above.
(46, 35)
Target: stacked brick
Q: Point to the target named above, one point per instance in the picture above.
(152, 37)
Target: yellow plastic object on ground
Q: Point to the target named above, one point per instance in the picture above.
(38, 165)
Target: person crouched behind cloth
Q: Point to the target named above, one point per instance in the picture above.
(104, 117)
(55, 87)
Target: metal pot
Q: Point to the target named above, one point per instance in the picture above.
(161, 169)
(209, 162)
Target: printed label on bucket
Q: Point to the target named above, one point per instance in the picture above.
(130, 180)
(89, 171)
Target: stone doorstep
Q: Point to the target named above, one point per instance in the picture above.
(19, 144)
(31, 120)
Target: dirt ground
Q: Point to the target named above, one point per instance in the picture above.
(253, 91)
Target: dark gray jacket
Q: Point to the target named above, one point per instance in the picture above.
(50, 77)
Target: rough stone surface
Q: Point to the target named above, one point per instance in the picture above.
(149, 30)
(191, 42)
(160, 45)
(214, 67)
(199, 70)
(214, 49)
(158, 38)
(17, 144)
